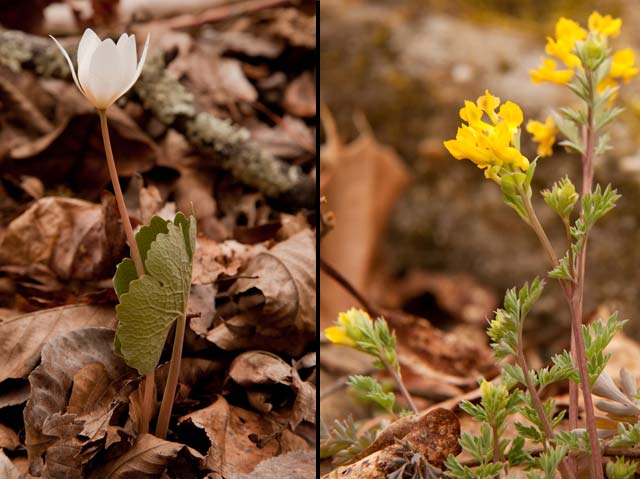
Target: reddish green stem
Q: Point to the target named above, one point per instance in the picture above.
(147, 408)
(172, 379)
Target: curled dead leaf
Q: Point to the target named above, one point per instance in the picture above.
(69, 372)
(74, 239)
(274, 387)
(274, 302)
(149, 458)
(22, 337)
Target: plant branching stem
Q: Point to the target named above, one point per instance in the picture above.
(565, 471)
(398, 379)
(135, 255)
(578, 297)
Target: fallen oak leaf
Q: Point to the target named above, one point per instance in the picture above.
(149, 458)
(22, 337)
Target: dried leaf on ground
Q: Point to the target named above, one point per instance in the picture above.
(242, 455)
(213, 422)
(8, 438)
(292, 465)
(72, 238)
(22, 337)
(274, 300)
(263, 376)
(54, 424)
(7, 469)
(300, 96)
(149, 458)
(213, 259)
(76, 144)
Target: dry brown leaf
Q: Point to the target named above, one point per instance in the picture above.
(275, 300)
(52, 431)
(361, 182)
(150, 458)
(90, 383)
(22, 337)
(300, 96)
(249, 44)
(213, 421)
(73, 238)
(8, 438)
(292, 465)
(262, 375)
(291, 138)
(213, 259)
(7, 469)
(294, 26)
(13, 392)
(242, 455)
(76, 144)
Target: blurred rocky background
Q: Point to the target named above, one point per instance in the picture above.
(407, 66)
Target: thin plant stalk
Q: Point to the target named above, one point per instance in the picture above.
(578, 298)
(172, 379)
(574, 294)
(565, 470)
(398, 379)
(149, 385)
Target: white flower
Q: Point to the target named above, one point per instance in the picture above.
(106, 70)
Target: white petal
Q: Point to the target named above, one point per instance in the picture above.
(143, 57)
(73, 72)
(104, 74)
(88, 44)
(128, 61)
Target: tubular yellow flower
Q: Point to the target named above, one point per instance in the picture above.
(511, 114)
(348, 330)
(547, 73)
(622, 65)
(606, 26)
(544, 134)
(338, 335)
(568, 33)
(490, 146)
(488, 103)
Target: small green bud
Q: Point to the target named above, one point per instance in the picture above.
(562, 197)
(592, 51)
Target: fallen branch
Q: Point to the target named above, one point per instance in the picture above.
(226, 145)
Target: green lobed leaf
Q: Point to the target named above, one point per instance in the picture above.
(150, 305)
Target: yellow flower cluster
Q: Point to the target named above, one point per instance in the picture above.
(544, 134)
(563, 46)
(348, 330)
(490, 145)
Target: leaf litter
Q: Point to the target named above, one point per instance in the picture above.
(245, 403)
